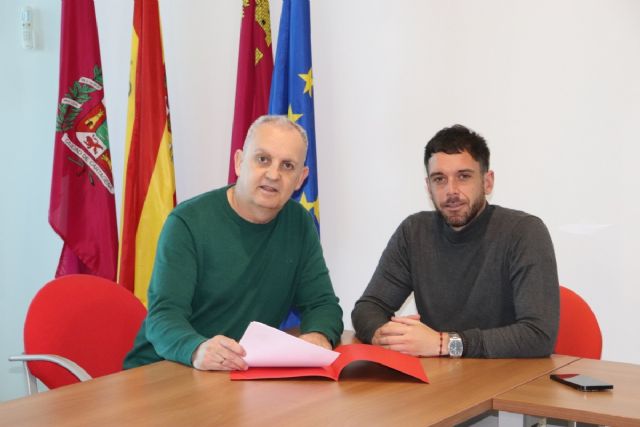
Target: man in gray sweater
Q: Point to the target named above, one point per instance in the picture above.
(484, 277)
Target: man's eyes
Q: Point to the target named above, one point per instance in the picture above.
(266, 160)
(443, 180)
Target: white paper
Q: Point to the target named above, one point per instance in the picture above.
(270, 347)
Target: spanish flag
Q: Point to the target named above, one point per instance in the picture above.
(149, 185)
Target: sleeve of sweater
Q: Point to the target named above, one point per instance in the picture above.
(315, 298)
(388, 288)
(171, 290)
(533, 276)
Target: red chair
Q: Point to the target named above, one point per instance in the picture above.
(78, 327)
(579, 333)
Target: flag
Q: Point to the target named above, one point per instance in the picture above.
(292, 94)
(255, 65)
(149, 185)
(292, 90)
(82, 205)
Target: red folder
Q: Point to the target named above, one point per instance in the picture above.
(404, 363)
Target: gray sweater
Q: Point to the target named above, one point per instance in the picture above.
(495, 282)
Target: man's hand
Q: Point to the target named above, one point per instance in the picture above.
(219, 354)
(410, 336)
(317, 338)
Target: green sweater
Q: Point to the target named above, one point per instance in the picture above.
(214, 273)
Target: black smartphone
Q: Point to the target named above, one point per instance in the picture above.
(581, 382)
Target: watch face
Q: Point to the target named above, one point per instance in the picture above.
(455, 346)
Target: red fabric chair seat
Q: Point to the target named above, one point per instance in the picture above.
(88, 319)
(579, 333)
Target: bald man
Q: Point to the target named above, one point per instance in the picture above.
(237, 254)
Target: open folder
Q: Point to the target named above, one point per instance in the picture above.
(272, 353)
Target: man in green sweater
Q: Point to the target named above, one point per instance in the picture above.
(484, 277)
(238, 254)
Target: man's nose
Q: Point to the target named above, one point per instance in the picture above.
(273, 171)
(452, 186)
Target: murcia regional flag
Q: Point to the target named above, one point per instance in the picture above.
(82, 205)
(255, 66)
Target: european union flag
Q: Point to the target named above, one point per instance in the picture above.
(292, 90)
(292, 94)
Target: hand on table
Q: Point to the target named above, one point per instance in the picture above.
(219, 353)
(409, 335)
(317, 338)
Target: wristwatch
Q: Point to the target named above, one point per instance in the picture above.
(455, 345)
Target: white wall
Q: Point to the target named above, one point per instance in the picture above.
(552, 85)
(29, 250)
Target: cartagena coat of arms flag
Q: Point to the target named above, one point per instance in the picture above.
(82, 204)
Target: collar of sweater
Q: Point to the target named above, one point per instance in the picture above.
(472, 231)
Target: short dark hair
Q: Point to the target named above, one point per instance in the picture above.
(458, 139)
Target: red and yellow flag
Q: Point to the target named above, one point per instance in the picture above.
(149, 184)
(82, 206)
(255, 66)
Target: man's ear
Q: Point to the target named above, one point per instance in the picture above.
(488, 182)
(427, 184)
(238, 156)
(427, 187)
(303, 176)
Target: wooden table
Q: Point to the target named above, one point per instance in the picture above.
(547, 398)
(367, 394)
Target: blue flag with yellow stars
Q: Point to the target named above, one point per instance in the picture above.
(292, 94)
(292, 90)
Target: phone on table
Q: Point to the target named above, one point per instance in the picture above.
(581, 382)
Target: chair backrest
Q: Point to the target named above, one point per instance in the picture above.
(87, 319)
(579, 333)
